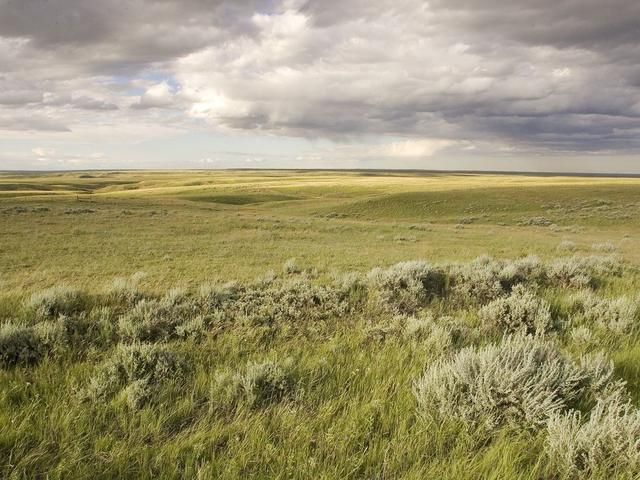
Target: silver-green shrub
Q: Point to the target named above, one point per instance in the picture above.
(259, 384)
(617, 315)
(521, 381)
(140, 365)
(606, 444)
(125, 289)
(477, 281)
(567, 246)
(266, 382)
(407, 286)
(157, 320)
(522, 311)
(291, 266)
(580, 272)
(20, 345)
(60, 300)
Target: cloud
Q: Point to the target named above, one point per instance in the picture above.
(156, 96)
(32, 123)
(415, 148)
(540, 77)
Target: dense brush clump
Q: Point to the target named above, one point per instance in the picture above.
(522, 311)
(437, 335)
(606, 444)
(138, 368)
(125, 289)
(526, 270)
(579, 272)
(259, 384)
(156, 320)
(61, 300)
(291, 266)
(266, 382)
(616, 315)
(266, 304)
(567, 246)
(405, 287)
(521, 381)
(19, 345)
(475, 282)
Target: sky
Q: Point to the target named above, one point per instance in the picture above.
(530, 85)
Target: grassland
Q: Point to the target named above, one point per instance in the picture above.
(300, 369)
(187, 228)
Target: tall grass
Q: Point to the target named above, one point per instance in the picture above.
(416, 370)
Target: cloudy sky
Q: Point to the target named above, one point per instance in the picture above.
(547, 85)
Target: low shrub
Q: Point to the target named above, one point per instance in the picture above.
(193, 329)
(266, 382)
(606, 444)
(522, 311)
(580, 272)
(604, 247)
(291, 301)
(437, 335)
(137, 367)
(406, 287)
(476, 282)
(157, 320)
(520, 381)
(20, 345)
(536, 222)
(567, 246)
(60, 300)
(259, 385)
(52, 335)
(125, 290)
(616, 315)
(291, 266)
(526, 270)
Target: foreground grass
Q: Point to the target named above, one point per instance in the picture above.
(341, 402)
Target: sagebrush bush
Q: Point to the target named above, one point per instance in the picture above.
(567, 246)
(157, 320)
(291, 266)
(436, 334)
(521, 381)
(266, 382)
(194, 328)
(60, 300)
(604, 247)
(125, 289)
(476, 282)
(259, 384)
(407, 286)
(607, 443)
(52, 335)
(526, 270)
(582, 272)
(20, 345)
(147, 366)
(522, 311)
(616, 315)
(294, 300)
(582, 336)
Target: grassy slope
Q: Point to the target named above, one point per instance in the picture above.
(184, 228)
(357, 420)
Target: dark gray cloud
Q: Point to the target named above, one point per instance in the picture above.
(551, 76)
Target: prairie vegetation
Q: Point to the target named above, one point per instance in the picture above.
(271, 325)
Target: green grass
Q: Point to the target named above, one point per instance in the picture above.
(352, 413)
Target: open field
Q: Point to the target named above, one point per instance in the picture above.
(186, 228)
(125, 351)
